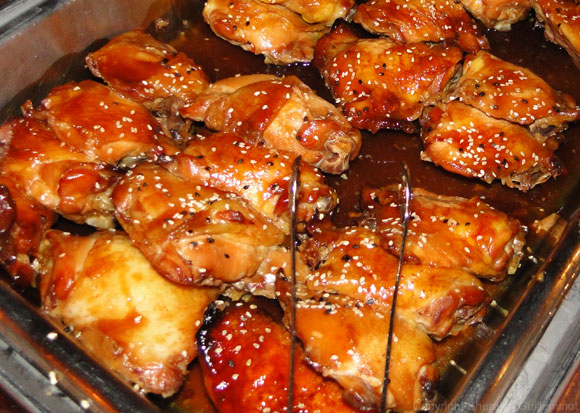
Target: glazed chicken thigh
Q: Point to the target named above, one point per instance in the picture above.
(269, 29)
(350, 262)
(146, 70)
(55, 175)
(192, 234)
(463, 140)
(447, 232)
(417, 21)
(234, 342)
(257, 174)
(380, 83)
(101, 123)
(347, 341)
(135, 321)
(281, 113)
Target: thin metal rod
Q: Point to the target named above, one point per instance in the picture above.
(293, 197)
(405, 213)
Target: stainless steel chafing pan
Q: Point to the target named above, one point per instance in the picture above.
(43, 43)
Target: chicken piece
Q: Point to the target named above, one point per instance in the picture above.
(447, 232)
(498, 14)
(379, 83)
(128, 316)
(148, 71)
(51, 173)
(463, 140)
(350, 262)
(257, 174)
(152, 73)
(282, 113)
(269, 29)
(561, 20)
(23, 221)
(107, 127)
(245, 359)
(347, 341)
(316, 11)
(507, 91)
(192, 234)
(422, 21)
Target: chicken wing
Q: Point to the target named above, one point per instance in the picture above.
(318, 11)
(347, 341)
(257, 174)
(417, 21)
(507, 91)
(498, 14)
(382, 84)
(152, 73)
(282, 113)
(350, 262)
(269, 29)
(23, 221)
(107, 127)
(463, 140)
(447, 232)
(55, 175)
(561, 20)
(128, 316)
(191, 233)
(245, 359)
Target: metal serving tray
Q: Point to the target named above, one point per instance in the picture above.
(43, 43)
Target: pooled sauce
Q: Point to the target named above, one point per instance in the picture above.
(380, 161)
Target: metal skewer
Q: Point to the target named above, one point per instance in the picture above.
(405, 214)
(293, 198)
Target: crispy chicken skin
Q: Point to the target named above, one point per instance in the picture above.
(507, 91)
(126, 314)
(269, 29)
(382, 84)
(561, 20)
(23, 221)
(190, 233)
(284, 114)
(318, 11)
(498, 14)
(417, 21)
(463, 140)
(245, 359)
(98, 121)
(259, 175)
(447, 231)
(350, 262)
(147, 70)
(55, 175)
(347, 341)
